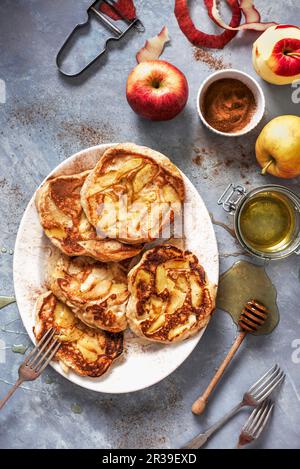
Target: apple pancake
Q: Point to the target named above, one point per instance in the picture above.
(65, 224)
(96, 292)
(170, 297)
(132, 194)
(87, 351)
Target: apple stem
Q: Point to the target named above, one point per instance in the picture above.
(265, 168)
(293, 54)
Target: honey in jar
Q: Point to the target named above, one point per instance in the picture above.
(267, 222)
(266, 219)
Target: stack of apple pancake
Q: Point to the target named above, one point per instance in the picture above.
(100, 221)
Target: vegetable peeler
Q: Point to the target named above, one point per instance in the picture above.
(118, 33)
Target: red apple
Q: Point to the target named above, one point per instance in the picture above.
(157, 90)
(276, 54)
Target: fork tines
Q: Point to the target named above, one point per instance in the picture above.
(42, 354)
(267, 383)
(256, 423)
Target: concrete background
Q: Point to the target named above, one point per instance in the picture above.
(45, 119)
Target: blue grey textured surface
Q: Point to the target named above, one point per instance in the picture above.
(45, 119)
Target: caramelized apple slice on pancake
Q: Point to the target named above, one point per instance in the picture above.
(170, 297)
(96, 292)
(132, 194)
(87, 351)
(65, 224)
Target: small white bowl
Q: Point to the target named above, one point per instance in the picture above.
(252, 85)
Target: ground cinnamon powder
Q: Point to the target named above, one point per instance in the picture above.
(228, 105)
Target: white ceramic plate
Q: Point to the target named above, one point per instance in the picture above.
(143, 364)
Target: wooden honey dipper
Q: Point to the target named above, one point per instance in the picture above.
(253, 316)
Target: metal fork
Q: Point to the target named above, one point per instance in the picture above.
(35, 363)
(255, 395)
(255, 423)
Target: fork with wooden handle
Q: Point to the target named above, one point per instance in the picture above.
(35, 363)
(252, 317)
(255, 395)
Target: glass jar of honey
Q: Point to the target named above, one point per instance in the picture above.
(266, 219)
